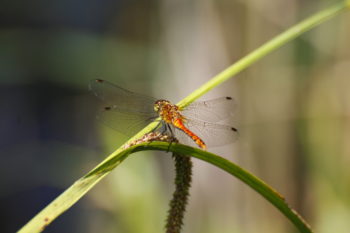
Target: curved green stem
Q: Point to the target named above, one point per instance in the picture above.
(84, 184)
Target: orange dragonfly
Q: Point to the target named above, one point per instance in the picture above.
(129, 112)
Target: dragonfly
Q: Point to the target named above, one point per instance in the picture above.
(199, 123)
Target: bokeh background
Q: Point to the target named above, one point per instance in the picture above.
(293, 111)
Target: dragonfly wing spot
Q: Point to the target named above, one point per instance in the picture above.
(213, 134)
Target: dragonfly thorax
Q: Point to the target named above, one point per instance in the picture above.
(167, 111)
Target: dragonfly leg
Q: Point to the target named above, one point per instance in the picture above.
(173, 139)
(155, 128)
(170, 130)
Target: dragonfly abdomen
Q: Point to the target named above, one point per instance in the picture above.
(179, 124)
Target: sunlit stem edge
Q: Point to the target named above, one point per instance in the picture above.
(265, 49)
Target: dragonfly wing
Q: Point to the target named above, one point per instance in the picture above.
(211, 133)
(214, 110)
(125, 122)
(120, 98)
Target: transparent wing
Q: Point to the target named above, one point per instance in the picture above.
(214, 110)
(182, 137)
(120, 99)
(211, 133)
(125, 122)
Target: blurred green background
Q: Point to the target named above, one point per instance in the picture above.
(293, 112)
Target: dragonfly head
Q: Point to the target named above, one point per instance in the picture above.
(160, 104)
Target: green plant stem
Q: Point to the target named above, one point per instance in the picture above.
(265, 49)
(84, 184)
(249, 179)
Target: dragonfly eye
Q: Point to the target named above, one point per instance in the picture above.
(159, 104)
